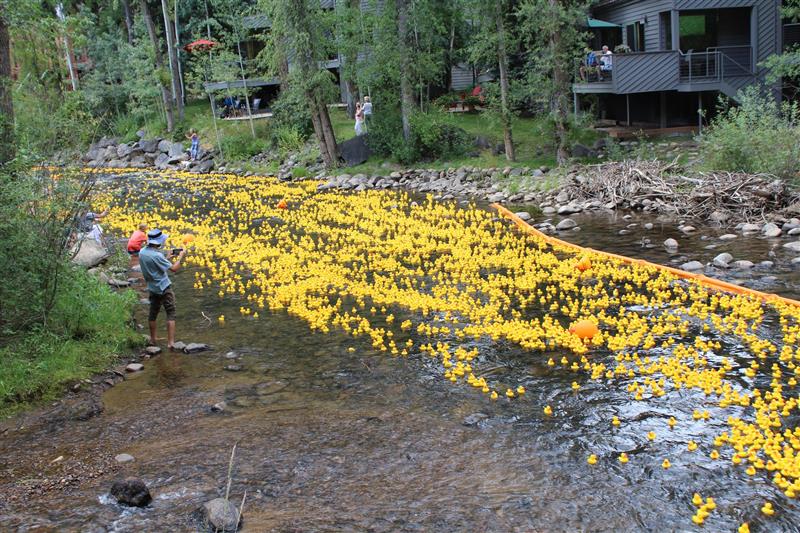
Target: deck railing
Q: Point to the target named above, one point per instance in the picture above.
(641, 70)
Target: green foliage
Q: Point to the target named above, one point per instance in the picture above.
(758, 135)
(290, 113)
(56, 321)
(288, 139)
(434, 135)
(299, 172)
(242, 146)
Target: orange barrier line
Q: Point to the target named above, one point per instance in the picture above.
(700, 278)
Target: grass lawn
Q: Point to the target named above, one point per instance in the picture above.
(533, 139)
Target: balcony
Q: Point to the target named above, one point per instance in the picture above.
(724, 68)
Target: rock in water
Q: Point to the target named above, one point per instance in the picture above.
(671, 244)
(793, 246)
(566, 224)
(692, 266)
(123, 458)
(523, 215)
(194, 347)
(222, 515)
(723, 260)
(152, 350)
(132, 492)
(771, 230)
(134, 367)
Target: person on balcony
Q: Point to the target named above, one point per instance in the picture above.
(606, 60)
(589, 66)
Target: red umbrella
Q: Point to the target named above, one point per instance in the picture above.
(200, 45)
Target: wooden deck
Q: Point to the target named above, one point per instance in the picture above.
(632, 132)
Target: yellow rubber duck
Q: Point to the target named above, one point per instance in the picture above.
(767, 509)
(665, 464)
(548, 410)
(697, 500)
(493, 395)
(651, 435)
(615, 422)
(744, 528)
(623, 458)
(592, 459)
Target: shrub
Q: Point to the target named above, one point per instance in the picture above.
(57, 323)
(290, 110)
(433, 136)
(299, 172)
(288, 139)
(242, 146)
(758, 135)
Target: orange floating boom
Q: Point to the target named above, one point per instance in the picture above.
(700, 278)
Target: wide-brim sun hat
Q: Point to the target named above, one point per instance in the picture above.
(156, 237)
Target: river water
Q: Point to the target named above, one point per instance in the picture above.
(334, 440)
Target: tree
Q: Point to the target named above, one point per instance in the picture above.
(554, 41)
(166, 95)
(490, 46)
(7, 142)
(172, 53)
(406, 93)
(300, 31)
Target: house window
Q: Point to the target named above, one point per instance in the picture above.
(635, 36)
(666, 30)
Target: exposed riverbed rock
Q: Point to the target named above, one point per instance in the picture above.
(723, 260)
(195, 347)
(692, 266)
(566, 224)
(131, 492)
(771, 230)
(221, 515)
(793, 246)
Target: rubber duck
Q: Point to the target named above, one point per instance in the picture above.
(615, 422)
(548, 410)
(493, 395)
(767, 509)
(520, 390)
(691, 446)
(509, 393)
(651, 435)
(592, 459)
(744, 528)
(623, 458)
(697, 500)
(665, 464)
(672, 422)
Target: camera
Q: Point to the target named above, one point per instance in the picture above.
(176, 251)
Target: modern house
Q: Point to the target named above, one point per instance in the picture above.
(682, 55)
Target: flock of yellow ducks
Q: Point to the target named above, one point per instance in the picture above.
(352, 262)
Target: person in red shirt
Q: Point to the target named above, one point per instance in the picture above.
(137, 240)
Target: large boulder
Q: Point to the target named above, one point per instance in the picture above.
(89, 253)
(176, 149)
(355, 151)
(123, 151)
(164, 146)
(149, 146)
(221, 515)
(132, 492)
(161, 161)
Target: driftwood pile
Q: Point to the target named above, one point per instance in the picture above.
(662, 187)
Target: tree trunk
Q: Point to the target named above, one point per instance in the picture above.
(126, 8)
(166, 96)
(327, 158)
(7, 143)
(559, 105)
(502, 61)
(328, 133)
(406, 91)
(352, 97)
(173, 60)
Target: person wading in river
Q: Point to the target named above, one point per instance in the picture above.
(155, 268)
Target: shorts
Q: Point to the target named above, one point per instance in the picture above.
(133, 252)
(167, 300)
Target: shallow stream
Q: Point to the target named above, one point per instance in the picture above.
(336, 440)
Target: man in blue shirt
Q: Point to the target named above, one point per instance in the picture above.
(155, 268)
